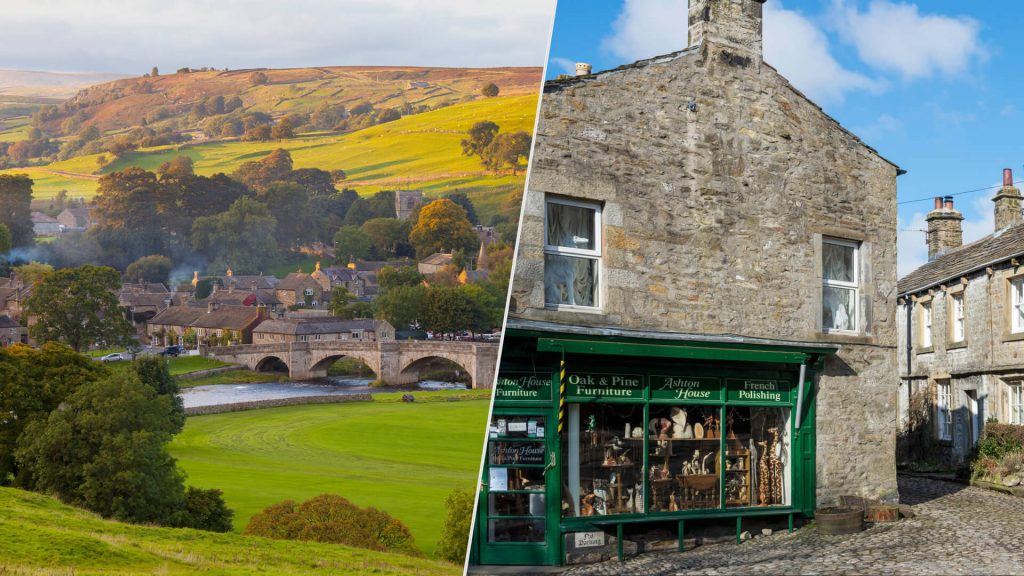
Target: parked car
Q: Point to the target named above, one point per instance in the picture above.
(113, 357)
(173, 351)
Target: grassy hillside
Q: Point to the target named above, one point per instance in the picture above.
(399, 457)
(39, 535)
(419, 151)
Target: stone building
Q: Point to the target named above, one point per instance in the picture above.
(707, 264)
(406, 201)
(321, 328)
(215, 320)
(961, 331)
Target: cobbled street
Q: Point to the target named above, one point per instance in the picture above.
(957, 530)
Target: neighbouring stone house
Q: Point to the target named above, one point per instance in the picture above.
(961, 329)
(213, 320)
(301, 289)
(434, 263)
(362, 284)
(322, 328)
(12, 332)
(45, 225)
(707, 264)
(13, 294)
(76, 219)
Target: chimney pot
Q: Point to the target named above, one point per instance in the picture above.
(938, 202)
(583, 69)
(1007, 177)
(949, 202)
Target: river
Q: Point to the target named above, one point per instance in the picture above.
(218, 394)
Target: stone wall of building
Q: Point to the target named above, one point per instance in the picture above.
(718, 181)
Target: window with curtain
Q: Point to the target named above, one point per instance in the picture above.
(572, 253)
(926, 326)
(1017, 305)
(944, 415)
(840, 288)
(957, 317)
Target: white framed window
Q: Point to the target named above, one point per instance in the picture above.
(1016, 403)
(1017, 305)
(308, 292)
(944, 416)
(572, 253)
(957, 317)
(926, 325)
(840, 265)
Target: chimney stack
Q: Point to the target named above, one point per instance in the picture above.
(1008, 202)
(211, 306)
(944, 229)
(583, 69)
(733, 26)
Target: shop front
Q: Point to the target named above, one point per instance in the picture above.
(595, 435)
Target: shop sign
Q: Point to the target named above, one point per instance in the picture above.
(523, 386)
(685, 388)
(595, 386)
(759, 391)
(504, 453)
(589, 539)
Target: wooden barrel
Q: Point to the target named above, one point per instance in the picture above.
(839, 520)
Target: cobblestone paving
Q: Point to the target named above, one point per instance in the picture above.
(956, 530)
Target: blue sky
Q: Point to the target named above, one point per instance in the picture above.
(934, 86)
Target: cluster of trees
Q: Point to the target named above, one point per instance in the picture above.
(334, 519)
(496, 149)
(96, 437)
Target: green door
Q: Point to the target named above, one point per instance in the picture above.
(518, 511)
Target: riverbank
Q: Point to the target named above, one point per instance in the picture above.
(417, 396)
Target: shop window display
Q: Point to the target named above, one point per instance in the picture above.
(605, 447)
(757, 457)
(516, 459)
(684, 455)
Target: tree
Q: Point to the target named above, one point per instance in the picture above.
(390, 277)
(506, 149)
(345, 304)
(154, 72)
(258, 133)
(358, 212)
(33, 272)
(455, 531)
(5, 239)
(258, 174)
(289, 203)
(442, 225)
(282, 130)
(242, 238)
(446, 310)
(316, 181)
(351, 242)
(332, 518)
(490, 90)
(155, 269)
(35, 382)
(402, 305)
(177, 167)
(104, 450)
(480, 136)
(463, 200)
(130, 209)
(153, 372)
(78, 307)
(16, 207)
(390, 237)
(205, 510)
(258, 78)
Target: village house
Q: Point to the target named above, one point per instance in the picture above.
(45, 225)
(434, 263)
(480, 273)
(170, 325)
(301, 289)
(706, 277)
(13, 294)
(322, 328)
(11, 332)
(76, 219)
(961, 330)
(362, 285)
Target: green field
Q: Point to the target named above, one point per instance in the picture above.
(39, 535)
(403, 458)
(419, 151)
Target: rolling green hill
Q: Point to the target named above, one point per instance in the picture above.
(403, 458)
(39, 535)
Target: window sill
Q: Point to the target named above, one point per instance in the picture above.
(956, 345)
(574, 309)
(927, 350)
(847, 337)
(1013, 337)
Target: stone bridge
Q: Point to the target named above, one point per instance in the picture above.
(396, 362)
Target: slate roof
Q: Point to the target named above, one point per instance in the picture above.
(438, 259)
(296, 281)
(228, 318)
(1000, 245)
(177, 316)
(6, 322)
(315, 325)
(40, 218)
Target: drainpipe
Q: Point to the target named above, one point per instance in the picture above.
(910, 336)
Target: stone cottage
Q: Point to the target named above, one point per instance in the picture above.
(705, 283)
(961, 330)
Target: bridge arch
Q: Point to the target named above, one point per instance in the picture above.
(271, 363)
(412, 368)
(323, 364)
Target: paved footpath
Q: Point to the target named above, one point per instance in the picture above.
(957, 530)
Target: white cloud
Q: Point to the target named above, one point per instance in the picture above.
(792, 44)
(133, 35)
(566, 65)
(896, 37)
